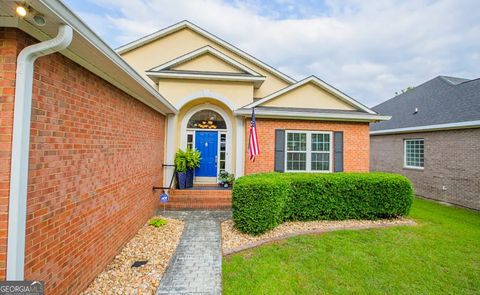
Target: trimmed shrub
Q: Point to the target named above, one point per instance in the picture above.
(262, 201)
(258, 202)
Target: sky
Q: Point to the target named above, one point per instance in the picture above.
(369, 49)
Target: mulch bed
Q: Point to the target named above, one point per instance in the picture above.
(151, 244)
(234, 241)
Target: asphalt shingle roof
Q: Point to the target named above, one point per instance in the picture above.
(438, 101)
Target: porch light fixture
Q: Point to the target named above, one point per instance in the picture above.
(39, 20)
(21, 10)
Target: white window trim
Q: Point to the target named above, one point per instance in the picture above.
(309, 151)
(405, 154)
(220, 132)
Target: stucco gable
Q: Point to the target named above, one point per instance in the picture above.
(206, 59)
(311, 93)
(184, 37)
(309, 96)
(207, 63)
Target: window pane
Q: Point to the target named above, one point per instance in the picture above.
(296, 142)
(207, 119)
(320, 161)
(414, 152)
(297, 161)
(320, 142)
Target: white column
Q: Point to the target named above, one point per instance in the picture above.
(240, 152)
(169, 149)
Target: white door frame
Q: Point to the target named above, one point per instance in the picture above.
(229, 132)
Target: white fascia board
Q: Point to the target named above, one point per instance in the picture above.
(198, 52)
(436, 127)
(68, 17)
(321, 84)
(257, 80)
(186, 24)
(313, 115)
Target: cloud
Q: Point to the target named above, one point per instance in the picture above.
(368, 49)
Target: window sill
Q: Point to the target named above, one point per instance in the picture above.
(413, 168)
(305, 171)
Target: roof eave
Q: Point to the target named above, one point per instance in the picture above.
(256, 80)
(427, 128)
(299, 115)
(62, 14)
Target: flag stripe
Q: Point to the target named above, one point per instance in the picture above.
(253, 146)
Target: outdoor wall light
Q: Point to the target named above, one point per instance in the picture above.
(39, 20)
(21, 10)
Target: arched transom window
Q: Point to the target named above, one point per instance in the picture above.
(207, 119)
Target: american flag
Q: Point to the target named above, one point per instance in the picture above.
(253, 147)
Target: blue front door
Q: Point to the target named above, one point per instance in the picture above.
(207, 143)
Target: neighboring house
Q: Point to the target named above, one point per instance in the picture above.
(433, 138)
(84, 136)
(305, 125)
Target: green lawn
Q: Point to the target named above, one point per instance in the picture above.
(441, 255)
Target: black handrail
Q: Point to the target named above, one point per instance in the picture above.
(171, 180)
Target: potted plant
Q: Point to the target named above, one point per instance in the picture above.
(226, 179)
(193, 161)
(181, 168)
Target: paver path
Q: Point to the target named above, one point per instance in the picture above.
(196, 266)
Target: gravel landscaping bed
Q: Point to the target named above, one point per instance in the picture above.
(156, 245)
(235, 241)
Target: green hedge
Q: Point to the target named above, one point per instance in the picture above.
(260, 202)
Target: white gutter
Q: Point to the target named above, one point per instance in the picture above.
(437, 127)
(17, 209)
(313, 115)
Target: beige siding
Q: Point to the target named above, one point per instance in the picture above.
(176, 91)
(207, 62)
(184, 41)
(309, 96)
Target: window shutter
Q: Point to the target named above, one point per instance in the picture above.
(338, 151)
(279, 165)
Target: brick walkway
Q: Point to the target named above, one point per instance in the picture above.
(196, 266)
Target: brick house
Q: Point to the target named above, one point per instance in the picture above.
(85, 131)
(305, 125)
(433, 138)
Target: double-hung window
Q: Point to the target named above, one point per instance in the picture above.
(413, 153)
(308, 151)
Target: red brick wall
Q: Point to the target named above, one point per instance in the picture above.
(95, 154)
(355, 141)
(11, 41)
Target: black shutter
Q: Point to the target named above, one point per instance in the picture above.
(279, 165)
(338, 151)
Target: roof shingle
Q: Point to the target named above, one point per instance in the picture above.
(441, 100)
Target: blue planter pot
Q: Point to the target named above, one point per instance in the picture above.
(181, 180)
(189, 178)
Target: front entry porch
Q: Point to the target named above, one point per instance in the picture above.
(200, 197)
(207, 128)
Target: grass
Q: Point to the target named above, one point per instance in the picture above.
(441, 255)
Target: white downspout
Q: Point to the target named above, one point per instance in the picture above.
(17, 209)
